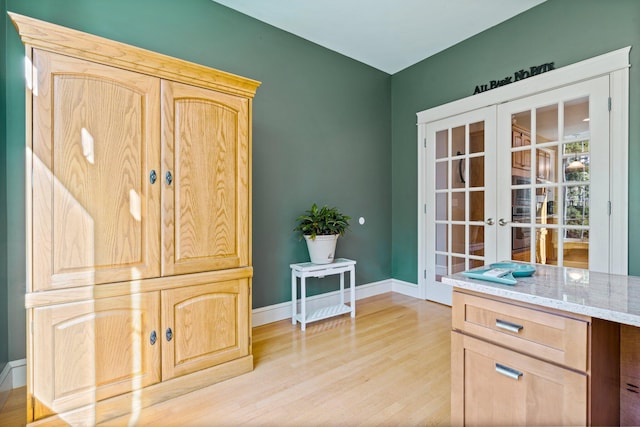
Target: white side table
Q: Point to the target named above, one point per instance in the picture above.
(309, 269)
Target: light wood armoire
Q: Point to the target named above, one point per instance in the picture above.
(138, 225)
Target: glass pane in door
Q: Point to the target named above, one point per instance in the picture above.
(476, 240)
(458, 141)
(520, 243)
(546, 246)
(441, 207)
(521, 201)
(442, 144)
(547, 124)
(476, 137)
(476, 201)
(546, 216)
(458, 206)
(476, 172)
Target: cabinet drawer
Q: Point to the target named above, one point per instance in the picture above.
(545, 335)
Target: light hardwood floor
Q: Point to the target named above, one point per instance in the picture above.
(388, 366)
(14, 409)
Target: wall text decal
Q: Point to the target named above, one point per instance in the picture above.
(518, 75)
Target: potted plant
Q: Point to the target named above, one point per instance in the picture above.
(321, 228)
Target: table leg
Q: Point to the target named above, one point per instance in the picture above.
(303, 302)
(294, 298)
(352, 288)
(342, 288)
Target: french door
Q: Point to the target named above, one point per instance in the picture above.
(460, 197)
(553, 178)
(526, 180)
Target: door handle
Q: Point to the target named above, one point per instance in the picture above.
(502, 222)
(460, 168)
(508, 372)
(508, 326)
(490, 221)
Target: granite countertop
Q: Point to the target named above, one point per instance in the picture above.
(605, 296)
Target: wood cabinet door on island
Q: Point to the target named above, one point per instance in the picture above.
(503, 387)
(629, 375)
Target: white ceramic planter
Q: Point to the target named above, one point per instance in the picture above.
(322, 249)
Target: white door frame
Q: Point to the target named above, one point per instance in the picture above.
(616, 65)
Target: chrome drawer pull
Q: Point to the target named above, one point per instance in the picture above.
(508, 372)
(508, 326)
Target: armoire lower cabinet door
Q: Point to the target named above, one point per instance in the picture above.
(204, 325)
(503, 387)
(84, 352)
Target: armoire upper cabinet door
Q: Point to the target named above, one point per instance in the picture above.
(95, 143)
(205, 202)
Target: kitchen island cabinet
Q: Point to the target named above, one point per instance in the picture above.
(560, 347)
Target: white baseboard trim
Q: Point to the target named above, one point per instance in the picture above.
(13, 375)
(274, 313)
(405, 288)
(19, 372)
(6, 384)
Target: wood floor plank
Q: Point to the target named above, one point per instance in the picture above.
(14, 411)
(388, 366)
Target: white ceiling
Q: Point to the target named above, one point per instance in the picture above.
(389, 35)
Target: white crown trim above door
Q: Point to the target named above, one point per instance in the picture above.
(584, 70)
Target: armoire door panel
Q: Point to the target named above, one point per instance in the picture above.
(96, 138)
(205, 205)
(208, 323)
(93, 350)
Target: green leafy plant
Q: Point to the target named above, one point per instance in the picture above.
(322, 221)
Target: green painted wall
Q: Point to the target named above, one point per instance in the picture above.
(15, 213)
(322, 122)
(4, 315)
(559, 31)
(321, 131)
